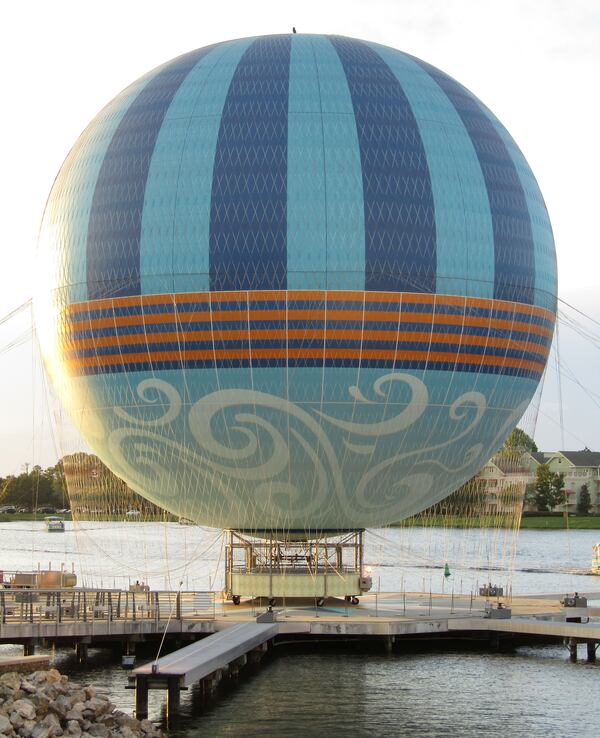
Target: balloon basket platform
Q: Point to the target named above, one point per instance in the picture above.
(272, 565)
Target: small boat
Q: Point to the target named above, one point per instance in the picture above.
(596, 559)
(54, 524)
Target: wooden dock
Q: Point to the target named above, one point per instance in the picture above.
(220, 638)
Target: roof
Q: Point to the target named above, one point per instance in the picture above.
(582, 458)
(577, 458)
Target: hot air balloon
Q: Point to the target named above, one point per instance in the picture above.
(295, 283)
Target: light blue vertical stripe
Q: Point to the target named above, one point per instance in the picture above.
(306, 214)
(465, 238)
(343, 173)
(74, 190)
(546, 286)
(174, 239)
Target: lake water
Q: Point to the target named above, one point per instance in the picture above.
(533, 692)
(115, 554)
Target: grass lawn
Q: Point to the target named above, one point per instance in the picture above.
(575, 522)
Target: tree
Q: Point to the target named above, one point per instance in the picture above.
(549, 488)
(557, 490)
(35, 488)
(519, 441)
(529, 498)
(585, 501)
(543, 478)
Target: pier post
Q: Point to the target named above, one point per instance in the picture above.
(388, 643)
(141, 698)
(255, 656)
(591, 651)
(572, 646)
(235, 666)
(173, 697)
(81, 652)
(29, 648)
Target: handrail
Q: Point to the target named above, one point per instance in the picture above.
(90, 605)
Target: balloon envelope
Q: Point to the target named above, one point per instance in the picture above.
(295, 282)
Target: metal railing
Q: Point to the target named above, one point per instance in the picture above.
(102, 605)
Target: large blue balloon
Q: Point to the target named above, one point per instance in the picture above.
(296, 282)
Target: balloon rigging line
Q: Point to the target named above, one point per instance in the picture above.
(195, 556)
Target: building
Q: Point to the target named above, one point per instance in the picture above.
(579, 468)
(504, 479)
(504, 476)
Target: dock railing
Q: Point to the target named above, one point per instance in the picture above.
(90, 605)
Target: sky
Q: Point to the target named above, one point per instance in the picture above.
(535, 63)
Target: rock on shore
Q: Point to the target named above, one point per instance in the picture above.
(46, 704)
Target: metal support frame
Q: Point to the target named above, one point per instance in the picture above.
(264, 565)
(81, 652)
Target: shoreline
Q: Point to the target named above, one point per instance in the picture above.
(534, 522)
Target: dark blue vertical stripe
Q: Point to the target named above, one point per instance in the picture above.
(514, 256)
(114, 230)
(400, 237)
(248, 216)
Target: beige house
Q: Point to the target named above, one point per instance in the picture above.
(503, 477)
(504, 480)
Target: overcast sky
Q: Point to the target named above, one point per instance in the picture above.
(536, 64)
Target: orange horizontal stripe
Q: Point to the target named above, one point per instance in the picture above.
(317, 315)
(302, 334)
(317, 295)
(207, 355)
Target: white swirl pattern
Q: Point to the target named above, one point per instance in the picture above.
(259, 460)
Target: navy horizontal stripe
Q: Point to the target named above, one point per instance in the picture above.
(453, 330)
(147, 366)
(204, 309)
(236, 305)
(158, 348)
(510, 317)
(458, 330)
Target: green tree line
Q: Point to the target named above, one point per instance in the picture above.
(36, 487)
(80, 482)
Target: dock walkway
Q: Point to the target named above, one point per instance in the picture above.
(199, 660)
